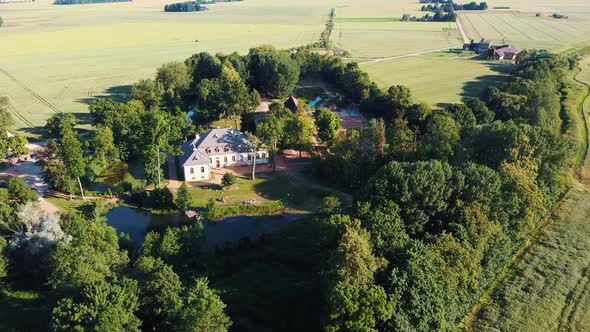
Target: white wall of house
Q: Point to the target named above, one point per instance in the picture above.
(203, 172)
(197, 173)
(237, 159)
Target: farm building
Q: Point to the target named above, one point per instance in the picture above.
(480, 48)
(217, 148)
(503, 52)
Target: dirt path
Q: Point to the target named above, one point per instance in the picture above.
(461, 30)
(31, 172)
(409, 55)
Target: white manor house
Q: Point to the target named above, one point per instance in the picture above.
(217, 148)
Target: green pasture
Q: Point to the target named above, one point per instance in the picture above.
(437, 78)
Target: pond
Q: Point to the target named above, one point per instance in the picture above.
(137, 223)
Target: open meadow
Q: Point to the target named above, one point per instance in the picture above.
(57, 58)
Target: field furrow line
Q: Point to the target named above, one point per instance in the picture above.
(20, 116)
(540, 30)
(473, 28)
(29, 90)
(491, 25)
(513, 27)
(545, 23)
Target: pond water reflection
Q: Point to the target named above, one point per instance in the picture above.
(137, 223)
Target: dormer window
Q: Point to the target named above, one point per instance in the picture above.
(216, 149)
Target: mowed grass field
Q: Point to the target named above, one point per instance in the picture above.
(437, 80)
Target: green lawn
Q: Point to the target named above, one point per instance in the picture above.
(267, 188)
(66, 205)
(437, 79)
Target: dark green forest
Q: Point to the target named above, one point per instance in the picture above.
(442, 199)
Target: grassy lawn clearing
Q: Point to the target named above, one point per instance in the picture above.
(266, 189)
(436, 80)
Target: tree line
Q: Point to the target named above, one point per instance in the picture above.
(446, 196)
(192, 6)
(450, 6)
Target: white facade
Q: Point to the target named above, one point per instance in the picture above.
(216, 149)
(196, 173)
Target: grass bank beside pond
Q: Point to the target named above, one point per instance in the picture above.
(270, 193)
(267, 190)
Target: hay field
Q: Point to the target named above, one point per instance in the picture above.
(369, 38)
(549, 288)
(54, 58)
(526, 31)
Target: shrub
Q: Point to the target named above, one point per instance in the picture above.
(162, 198)
(228, 179)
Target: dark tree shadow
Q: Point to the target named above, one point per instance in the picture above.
(83, 118)
(119, 93)
(36, 131)
(478, 86)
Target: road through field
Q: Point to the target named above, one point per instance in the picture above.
(408, 55)
(548, 287)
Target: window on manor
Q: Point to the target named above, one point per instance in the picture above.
(249, 157)
(202, 169)
(192, 170)
(225, 159)
(233, 158)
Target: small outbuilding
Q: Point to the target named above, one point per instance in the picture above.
(292, 103)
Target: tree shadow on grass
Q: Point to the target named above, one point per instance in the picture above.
(119, 93)
(83, 118)
(34, 131)
(478, 86)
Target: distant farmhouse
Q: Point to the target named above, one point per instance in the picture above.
(500, 52)
(480, 48)
(217, 148)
